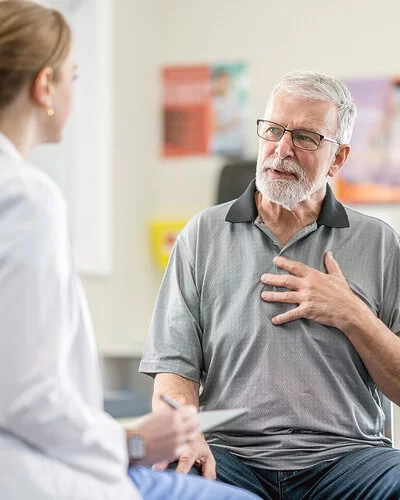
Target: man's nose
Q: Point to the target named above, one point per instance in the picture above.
(284, 147)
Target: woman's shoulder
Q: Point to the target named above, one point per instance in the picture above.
(26, 183)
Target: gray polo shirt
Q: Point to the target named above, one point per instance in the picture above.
(310, 395)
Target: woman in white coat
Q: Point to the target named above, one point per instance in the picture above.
(55, 441)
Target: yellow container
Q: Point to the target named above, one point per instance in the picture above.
(163, 234)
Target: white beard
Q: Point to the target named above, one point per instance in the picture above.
(286, 192)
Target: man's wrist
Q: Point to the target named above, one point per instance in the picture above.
(356, 319)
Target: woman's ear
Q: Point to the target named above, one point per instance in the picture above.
(42, 88)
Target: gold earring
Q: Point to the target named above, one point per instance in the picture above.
(50, 111)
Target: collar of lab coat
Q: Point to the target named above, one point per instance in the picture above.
(8, 148)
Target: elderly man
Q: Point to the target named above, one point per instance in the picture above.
(287, 302)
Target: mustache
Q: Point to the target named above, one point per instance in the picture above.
(287, 165)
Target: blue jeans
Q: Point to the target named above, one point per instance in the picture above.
(169, 485)
(371, 473)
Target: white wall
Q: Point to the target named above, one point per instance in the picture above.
(346, 38)
(121, 304)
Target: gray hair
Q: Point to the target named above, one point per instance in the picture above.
(319, 87)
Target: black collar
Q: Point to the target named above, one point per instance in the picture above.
(332, 212)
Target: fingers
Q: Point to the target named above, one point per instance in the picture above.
(282, 280)
(199, 454)
(187, 460)
(296, 268)
(299, 269)
(287, 297)
(208, 469)
(160, 465)
(287, 316)
(306, 287)
(331, 265)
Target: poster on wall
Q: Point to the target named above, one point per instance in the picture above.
(204, 110)
(163, 233)
(372, 173)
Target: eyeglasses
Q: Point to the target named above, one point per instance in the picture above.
(301, 139)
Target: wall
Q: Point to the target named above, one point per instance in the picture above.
(346, 38)
(121, 304)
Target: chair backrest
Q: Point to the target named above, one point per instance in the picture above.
(234, 179)
(387, 407)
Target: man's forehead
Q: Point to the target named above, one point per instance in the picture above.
(292, 110)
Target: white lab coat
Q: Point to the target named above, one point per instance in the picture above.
(55, 440)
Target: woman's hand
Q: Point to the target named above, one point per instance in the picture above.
(165, 433)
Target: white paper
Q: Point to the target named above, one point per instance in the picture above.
(211, 419)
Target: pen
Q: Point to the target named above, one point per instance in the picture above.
(171, 402)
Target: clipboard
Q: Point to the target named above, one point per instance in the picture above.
(212, 419)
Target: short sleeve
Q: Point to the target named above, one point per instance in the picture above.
(174, 342)
(390, 308)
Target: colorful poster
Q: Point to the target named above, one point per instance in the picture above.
(372, 174)
(163, 234)
(205, 110)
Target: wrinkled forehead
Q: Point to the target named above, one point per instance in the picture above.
(294, 111)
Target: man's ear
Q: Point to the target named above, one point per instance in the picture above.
(42, 88)
(339, 159)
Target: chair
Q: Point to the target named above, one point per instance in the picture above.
(387, 407)
(234, 179)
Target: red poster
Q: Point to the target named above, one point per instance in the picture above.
(186, 110)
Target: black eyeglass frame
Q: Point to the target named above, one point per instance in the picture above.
(321, 137)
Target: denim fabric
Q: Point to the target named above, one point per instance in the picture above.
(371, 473)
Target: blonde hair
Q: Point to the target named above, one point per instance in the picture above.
(32, 37)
